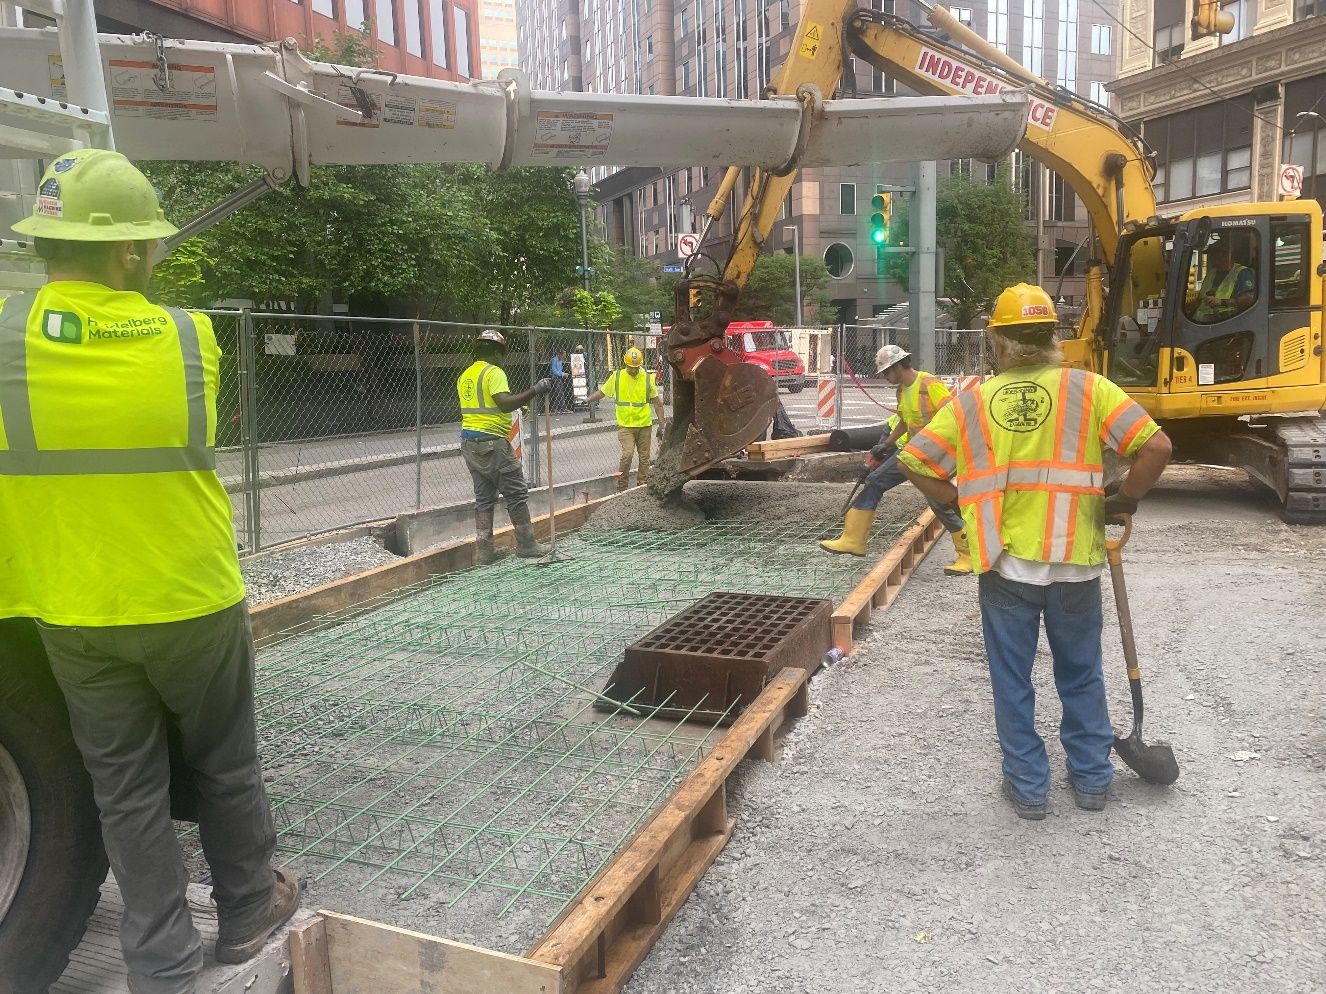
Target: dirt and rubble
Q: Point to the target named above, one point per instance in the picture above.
(877, 854)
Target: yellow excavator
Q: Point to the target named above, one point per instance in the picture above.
(1211, 319)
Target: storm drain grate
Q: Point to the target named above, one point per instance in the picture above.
(711, 660)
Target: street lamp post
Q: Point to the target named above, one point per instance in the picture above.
(582, 186)
(796, 266)
(1311, 166)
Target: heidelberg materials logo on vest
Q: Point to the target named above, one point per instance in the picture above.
(62, 326)
(1022, 406)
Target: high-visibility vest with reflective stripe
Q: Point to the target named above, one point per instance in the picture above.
(1025, 450)
(631, 395)
(111, 512)
(1223, 291)
(916, 406)
(478, 410)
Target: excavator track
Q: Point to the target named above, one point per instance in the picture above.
(1303, 443)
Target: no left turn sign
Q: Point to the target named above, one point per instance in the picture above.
(687, 245)
(1291, 181)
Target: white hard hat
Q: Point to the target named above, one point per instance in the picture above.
(888, 356)
(491, 335)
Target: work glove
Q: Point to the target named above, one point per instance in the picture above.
(1118, 505)
(882, 451)
(544, 386)
(872, 463)
(661, 429)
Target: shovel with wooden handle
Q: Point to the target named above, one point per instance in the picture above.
(1153, 763)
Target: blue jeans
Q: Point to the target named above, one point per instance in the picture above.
(888, 475)
(1011, 620)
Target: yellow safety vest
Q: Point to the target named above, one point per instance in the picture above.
(917, 403)
(632, 395)
(111, 512)
(1025, 450)
(1223, 291)
(476, 388)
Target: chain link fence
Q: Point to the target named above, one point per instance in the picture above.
(325, 422)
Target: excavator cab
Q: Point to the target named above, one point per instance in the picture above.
(1217, 309)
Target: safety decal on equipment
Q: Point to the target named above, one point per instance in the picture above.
(811, 40)
(437, 114)
(190, 94)
(564, 134)
(963, 78)
(345, 96)
(1022, 406)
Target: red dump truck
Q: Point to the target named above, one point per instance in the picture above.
(762, 344)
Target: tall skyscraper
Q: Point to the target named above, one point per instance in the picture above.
(497, 36)
(732, 49)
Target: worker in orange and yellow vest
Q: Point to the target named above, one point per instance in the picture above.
(920, 395)
(116, 536)
(633, 391)
(1023, 454)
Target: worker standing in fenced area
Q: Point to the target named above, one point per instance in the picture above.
(1025, 452)
(920, 395)
(633, 391)
(118, 539)
(486, 403)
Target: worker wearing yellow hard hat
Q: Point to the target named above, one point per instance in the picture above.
(1023, 454)
(633, 392)
(118, 539)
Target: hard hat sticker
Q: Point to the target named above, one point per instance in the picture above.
(50, 188)
(64, 165)
(1036, 311)
(50, 207)
(1022, 406)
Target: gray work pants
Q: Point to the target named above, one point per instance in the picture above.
(122, 685)
(495, 469)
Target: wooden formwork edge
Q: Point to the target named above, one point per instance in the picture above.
(605, 935)
(333, 598)
(881, 585)
(784, 448)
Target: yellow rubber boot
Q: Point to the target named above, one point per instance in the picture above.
(856, 532)
(962, 565)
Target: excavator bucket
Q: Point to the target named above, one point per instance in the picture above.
(719, 403)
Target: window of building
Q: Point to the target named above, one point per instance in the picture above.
(1100, 39)
(386, 22)
(1099, 94)
(1171, 30)
(960, 167)
(327, 8)
(1204, 151)
(1304, 142)
(1303, 9)
(1244, 13)
(962, 14)
(414, 27)
(438, 26)
(1063, 201)
(355, 13)
(1033, 36)
(685, 22)
(685, 84)
(787, 206)
(1067, 74)
(996, 24)
(839, 261)
(846, 198)
(784, 14)
(462, 19)
(649, 47)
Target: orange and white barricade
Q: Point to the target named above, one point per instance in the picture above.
(516, 436)
(826, 402)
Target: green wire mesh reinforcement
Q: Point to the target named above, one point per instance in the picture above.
(445, 745)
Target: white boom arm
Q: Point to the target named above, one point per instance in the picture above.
(268, 105)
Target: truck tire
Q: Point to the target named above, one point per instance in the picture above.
(52, 862)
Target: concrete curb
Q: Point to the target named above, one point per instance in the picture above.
(341, 467)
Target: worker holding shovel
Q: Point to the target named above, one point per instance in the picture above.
(1023, 455)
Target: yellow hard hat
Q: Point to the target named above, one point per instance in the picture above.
(1023, 305)
(95, 195)
(634, 358)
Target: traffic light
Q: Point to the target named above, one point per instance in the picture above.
(1209, 19)
(882, 203)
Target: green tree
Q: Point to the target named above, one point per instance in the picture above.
(769, 292)
(987, 246)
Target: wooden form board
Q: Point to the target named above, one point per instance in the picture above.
(619, 916)
(881, 585)
(787, 448)
(338, 954)
(334, 598)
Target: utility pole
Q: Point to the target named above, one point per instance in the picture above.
(582, 186)
(921, 309)
(796, 267)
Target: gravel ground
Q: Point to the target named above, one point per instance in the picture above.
(877, 855)
(280, 574)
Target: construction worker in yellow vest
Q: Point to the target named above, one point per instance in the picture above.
(1023, 454)
(117, 538)
(633, 391)
(919, 396)
(486, 403)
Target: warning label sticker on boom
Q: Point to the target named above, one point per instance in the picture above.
(182, 92)
(560, 134)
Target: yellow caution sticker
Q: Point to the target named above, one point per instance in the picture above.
(811, 40)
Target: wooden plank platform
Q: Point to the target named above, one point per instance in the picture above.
(787, 448)
(96, 966)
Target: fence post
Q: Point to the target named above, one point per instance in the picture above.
(248, 432)
(535, 479)
(418, 421)
(838, 372)
(591, 381)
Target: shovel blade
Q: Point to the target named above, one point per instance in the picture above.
(1153, 763)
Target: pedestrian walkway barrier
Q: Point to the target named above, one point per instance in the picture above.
(516, 435)
(826, 401)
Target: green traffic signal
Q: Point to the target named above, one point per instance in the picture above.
(878, 229)
(880, 220)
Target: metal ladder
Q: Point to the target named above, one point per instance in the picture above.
(34, 127)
